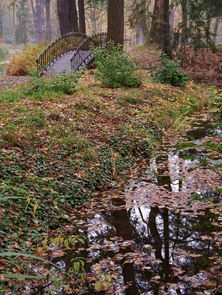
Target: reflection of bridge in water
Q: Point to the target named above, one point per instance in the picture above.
(71, 52)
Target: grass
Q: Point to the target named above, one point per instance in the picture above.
(36, 119)
(8, 95)
(1, 69)
(185, 145)
(42, 89)
(3, 52)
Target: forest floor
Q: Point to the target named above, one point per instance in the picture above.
(10, 81)
(66, 161)
(203, 66)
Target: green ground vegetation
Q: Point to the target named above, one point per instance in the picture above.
(3, 52)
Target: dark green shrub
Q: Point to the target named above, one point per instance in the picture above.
(114, 69)
(169, 73)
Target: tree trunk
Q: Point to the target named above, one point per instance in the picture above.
(14, 22)
(33, 9)
(140, 38)
(141, 22)
(74, 16)
(48, 20)
(63, 16)
(21, 27)
(67, 15)
(208, 33)
(82, 21)
(172, 17)
(166, 29)
(1, 25)
(1, 19)
(116, 21)
(39, 20)
(184, 36)
(156, 26)
(93, 19)
(216, 26)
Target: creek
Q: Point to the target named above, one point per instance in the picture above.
(162, 235)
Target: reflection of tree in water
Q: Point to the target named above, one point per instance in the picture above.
(175, 240)
(120, 219)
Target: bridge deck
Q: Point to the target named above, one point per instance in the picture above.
(62, 65)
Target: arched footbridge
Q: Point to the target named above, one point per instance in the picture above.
(71, 52)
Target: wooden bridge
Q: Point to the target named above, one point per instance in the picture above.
(71, 52)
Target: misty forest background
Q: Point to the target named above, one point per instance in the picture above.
(25, 22)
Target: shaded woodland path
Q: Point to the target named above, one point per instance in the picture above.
(7, 81)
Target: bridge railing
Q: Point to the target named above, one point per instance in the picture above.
(83, 54)
(66, 43)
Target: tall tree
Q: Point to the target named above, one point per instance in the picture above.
(116, 21)
(48, 20)
(39, 20)
(67, 15)
(22, 21)
(1, 20)
(156, 26)
(74, 16)
(166, 28)
(96, 14)
(172, 16)
(82, 21)
(184, 35)
(196, 21)
(139, 20)
(216, 26)
(160, 29)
